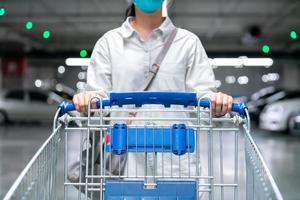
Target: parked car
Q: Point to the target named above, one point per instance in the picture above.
(294, 124)
(256, 107)
(276, 116)
(26, 105)
(60, 96)
(263, 93)
(258, 101)
(240, 99)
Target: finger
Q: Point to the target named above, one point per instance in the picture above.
(224, 105)
(230, 101)
(96, 98)
(81, 102)
(88, 97)
(75, 101)
(219, 104)
(94, 103)
(213, 103)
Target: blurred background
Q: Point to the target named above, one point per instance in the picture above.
(253, 46)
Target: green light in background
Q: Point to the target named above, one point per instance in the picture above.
(2, 11)
(46, 34)
(29, 25)
(293, 35)
(83, 53)
(265, 48)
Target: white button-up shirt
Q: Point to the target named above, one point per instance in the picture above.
(121, 60)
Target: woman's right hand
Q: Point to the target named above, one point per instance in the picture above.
(81, 100)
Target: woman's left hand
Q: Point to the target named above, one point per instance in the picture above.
(221, 103)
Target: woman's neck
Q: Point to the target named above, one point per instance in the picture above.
(146, 23)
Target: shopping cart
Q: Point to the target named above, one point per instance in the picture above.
(149, 145)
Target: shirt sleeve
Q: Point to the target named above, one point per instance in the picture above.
(99, 69)
(200, 77)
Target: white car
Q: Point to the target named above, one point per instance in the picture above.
(26, 106)
(294, 125)
(276, 116)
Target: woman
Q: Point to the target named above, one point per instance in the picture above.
(121, 60)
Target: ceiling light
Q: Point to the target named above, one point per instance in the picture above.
(61, 69)
(82, 75)
(80, 85)
(225, 62)
(216, 62)
(218, 83)
(243, 80)
(38, 83)
(241, 61)
(270, 77)
(59, 87)
(266, 62)
(266, 49)
(230, 79)
(2, 11)
(29, 25)
(293, 35)
(77, 61)
(46, 34)
(83, 53)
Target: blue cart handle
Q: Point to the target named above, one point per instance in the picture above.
(239, 108)
(164, 98)
(66, 107)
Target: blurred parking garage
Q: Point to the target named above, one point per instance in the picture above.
(37, 38)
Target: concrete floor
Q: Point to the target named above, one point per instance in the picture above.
(18, 143)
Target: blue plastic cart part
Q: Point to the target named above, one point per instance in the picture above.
(66, 106)
(167, 99)
(164, 98)
(177, 139)
(165, 190)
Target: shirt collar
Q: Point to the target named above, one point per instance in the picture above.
(126, 29)
(165, 28)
